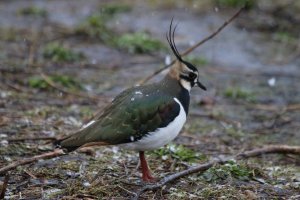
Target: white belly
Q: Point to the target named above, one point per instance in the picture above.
(161, 136)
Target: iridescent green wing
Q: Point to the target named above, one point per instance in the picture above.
(132, 115)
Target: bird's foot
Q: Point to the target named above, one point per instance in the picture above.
(147, 177)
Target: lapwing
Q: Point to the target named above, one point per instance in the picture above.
(143, 118)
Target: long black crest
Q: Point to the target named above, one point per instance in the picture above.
(170, 37)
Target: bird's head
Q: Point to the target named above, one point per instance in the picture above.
(185, 72)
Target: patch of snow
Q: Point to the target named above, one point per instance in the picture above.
(168, 60)
(138, 92)
(272, 82)
(86, 184)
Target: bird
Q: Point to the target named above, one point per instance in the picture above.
(142, 118)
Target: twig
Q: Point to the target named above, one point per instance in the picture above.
(78, 94)
(268, 107)
(279, 149)
(4, 186)
(282, 149)
(186, 52)
(55, 153)
(30, 138)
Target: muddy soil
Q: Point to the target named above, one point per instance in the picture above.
(251, 70)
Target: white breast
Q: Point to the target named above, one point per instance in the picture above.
(161, 136)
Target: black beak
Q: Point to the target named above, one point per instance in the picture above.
(201, 86)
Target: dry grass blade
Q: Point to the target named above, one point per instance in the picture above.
(13, 165)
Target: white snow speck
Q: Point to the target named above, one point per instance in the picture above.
(132, 99)
(86, 184)
(115, 149)
(131, 138)
(138, 92)
(4, 143)
(272, 82)
(168, 60)
(164, 157)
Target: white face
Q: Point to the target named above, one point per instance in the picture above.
(188, 77)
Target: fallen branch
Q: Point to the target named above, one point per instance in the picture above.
(30, 138)
(4, 186)
(281, 149)
(55, 153)
(196, 45)
(271, 149)
(275, 108)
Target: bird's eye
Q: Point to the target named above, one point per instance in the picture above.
(192, 75)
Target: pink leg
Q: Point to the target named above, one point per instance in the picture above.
(147, 177)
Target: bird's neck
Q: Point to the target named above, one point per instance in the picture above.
(172, 86)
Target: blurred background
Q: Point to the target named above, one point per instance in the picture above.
(62, 60)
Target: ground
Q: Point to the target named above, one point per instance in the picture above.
(60, 61)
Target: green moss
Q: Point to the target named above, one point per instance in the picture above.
(139, 42)
(109, 10)
(239, 93)
(48, 172)
(197, 60)
(235, 132)
(63, 80)
(236, 3)
(230, 169)
(284, 37)
(178, 152)
(58, 53)
(95, 27)
(221, 192)
(9, 34)
(70, 165)
(33, 11)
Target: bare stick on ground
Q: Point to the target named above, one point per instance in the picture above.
(4, 186)
(196, 45)
(279, 149)
(13, 165)
(30, 138)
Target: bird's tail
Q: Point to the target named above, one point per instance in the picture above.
(58, 145)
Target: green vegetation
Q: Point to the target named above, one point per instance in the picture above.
(139, 42)
(33, 11)
(58, 53)
(236, 3)
(197, 60)
(239, 93)
(228, 170)
(235, 132)
(9, 34)
(178, 152)
(223, 192)
(285, 37)
(94, 27)
(110, 10)
(65, 81)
